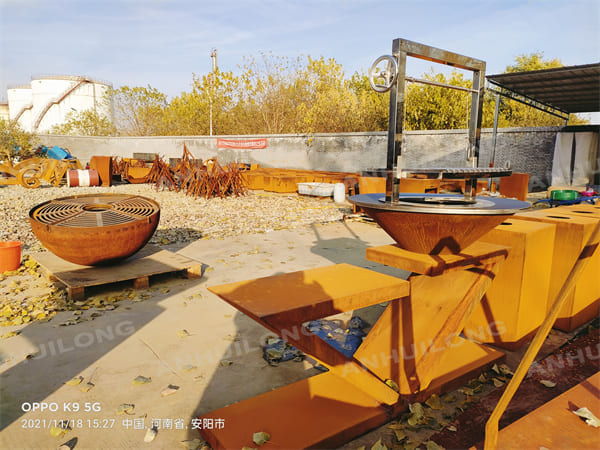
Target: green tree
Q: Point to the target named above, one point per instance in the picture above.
(190, 113)
(138, 111)
(85, 123)
(431, 107)
(14, 141)
(270, 91)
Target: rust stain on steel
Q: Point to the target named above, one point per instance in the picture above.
(95, 229)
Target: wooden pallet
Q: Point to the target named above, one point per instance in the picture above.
(150, 260)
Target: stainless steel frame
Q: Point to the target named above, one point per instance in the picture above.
(402, 48)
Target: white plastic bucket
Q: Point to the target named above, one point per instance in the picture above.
(339, 193)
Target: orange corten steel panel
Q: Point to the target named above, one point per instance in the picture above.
(572, 233)
(515, 304)
(311, 294)
(583, 210)
(419, 185)
(408, 329)
(422, 263)
(515, 186)
(371, 185)
(320, 412)
(103, 164)
(554, 425)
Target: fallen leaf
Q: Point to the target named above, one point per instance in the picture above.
(430, 445)
(379, 446)
(451, 428)
(393, 385)
(183, 333)
(75, 381)
(141, 380)
(60, 430)
(434, 402)
(169, 390)
(449, 398)
(226, 362)
(548, 383)
(400, 435)
(194, 444)
(588, 416)
(260, 438)
(125, 408)
(86, 387)
(150, 434)
(498, 382)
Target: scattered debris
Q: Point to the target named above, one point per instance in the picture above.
(125, 408)
(75, 381)
(193, 444)
(141, 380)
(260, 438)
(150, 434)
(588, 417)
(277, 350)
(548, 383)
(169, 390)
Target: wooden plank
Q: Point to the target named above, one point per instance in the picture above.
(151, 260)
(297, 297)
(431, 265)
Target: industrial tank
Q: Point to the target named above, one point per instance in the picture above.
(54, 97)
(20, 105)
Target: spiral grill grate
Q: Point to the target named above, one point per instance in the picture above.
(94, 211)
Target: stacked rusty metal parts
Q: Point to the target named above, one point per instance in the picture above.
(95, 229)
(193, 176)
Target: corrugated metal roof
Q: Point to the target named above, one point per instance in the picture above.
(571, 89)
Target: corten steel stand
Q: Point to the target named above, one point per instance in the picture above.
(415, 343)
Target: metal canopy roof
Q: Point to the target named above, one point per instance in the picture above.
(569, 89)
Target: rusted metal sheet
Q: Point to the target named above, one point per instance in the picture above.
(95, 229)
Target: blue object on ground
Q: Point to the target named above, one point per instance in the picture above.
(57, 153)
(344, 340)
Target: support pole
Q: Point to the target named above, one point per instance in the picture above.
(491, 427)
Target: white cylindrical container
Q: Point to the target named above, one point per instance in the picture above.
(339, 193)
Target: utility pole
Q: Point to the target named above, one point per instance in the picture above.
(213, 56)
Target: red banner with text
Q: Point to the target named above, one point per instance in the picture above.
(242, 143)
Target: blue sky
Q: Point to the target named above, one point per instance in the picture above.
(162, 42)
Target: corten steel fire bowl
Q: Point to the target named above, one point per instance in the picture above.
(437, 223)
(96, 229)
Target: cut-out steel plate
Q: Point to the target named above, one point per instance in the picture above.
(95, 229)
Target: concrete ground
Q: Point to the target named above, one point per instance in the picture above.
(180, 335)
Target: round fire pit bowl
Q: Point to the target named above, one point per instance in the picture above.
(96, 229)
(437, 223)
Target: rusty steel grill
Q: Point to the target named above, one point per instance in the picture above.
(95, 229)
(95, 211)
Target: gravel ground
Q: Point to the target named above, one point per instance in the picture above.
(182, 218)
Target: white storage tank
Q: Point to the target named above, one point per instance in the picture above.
(4, 111)
(54, 97)
(20, 105)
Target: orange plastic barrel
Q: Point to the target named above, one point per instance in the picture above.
(83, 178)
(10, 255)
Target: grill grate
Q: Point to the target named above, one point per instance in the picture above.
(94, 210)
